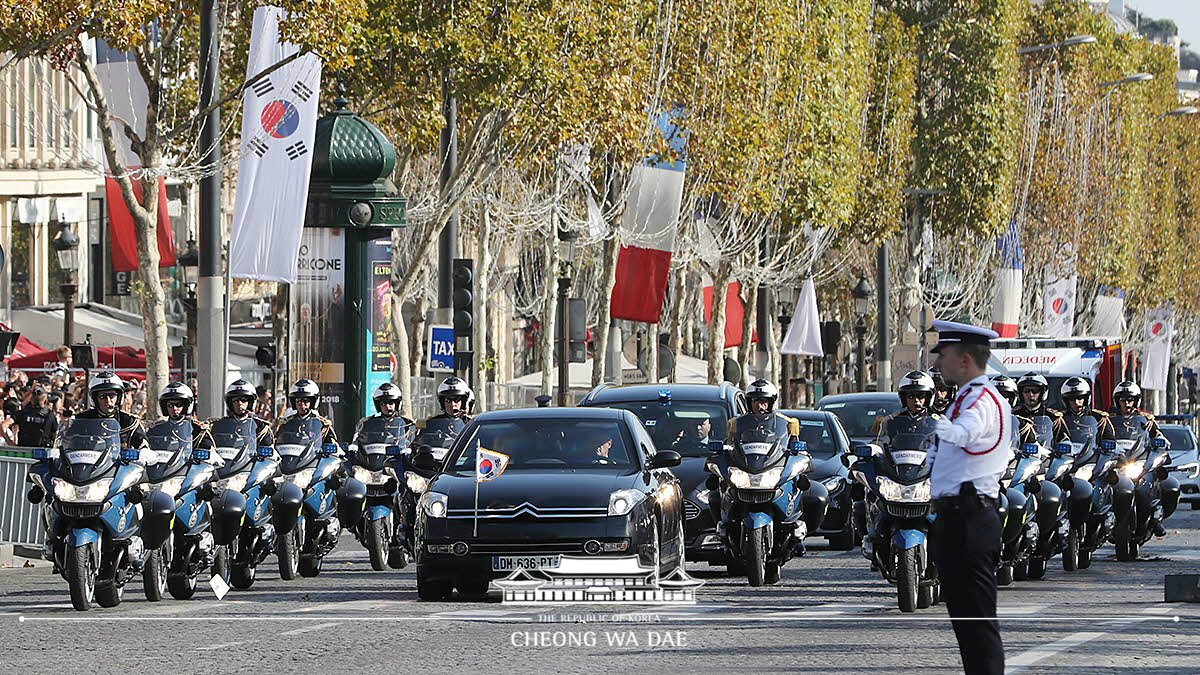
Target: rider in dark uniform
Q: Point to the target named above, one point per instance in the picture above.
(303, 397)
(240, 397)
(387, 406)
(457, 401)
(106, 391)
(1077, 399)
(918, 393)
(1031, 402)
(1008, 389)
(176, 403)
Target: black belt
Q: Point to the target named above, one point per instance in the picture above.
(960, 503)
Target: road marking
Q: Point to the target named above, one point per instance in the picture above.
(1022, 661)
(226, 645)
(1019, 610)
(309, 629)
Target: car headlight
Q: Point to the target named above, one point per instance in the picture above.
(301, 478)
(92, 492)
(1191, 467)
(898, 492)
(434, 504)
(416, 482)
(170, 486)
(235, 483)
(621, 502)
(702, 496)
(1133, 470)
(834, 483)
(767, 480)
(1085, 472)
(370, 477)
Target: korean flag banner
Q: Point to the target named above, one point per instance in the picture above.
(489, 464)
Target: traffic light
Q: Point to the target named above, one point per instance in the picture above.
(265, 355)
(462, 274)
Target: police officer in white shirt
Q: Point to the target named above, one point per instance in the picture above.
(973, 450)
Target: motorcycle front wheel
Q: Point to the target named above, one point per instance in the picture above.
(1070, 554)
(908, 580)
(287, 549)
(377, 543)
(1125, 537)
(754, 556)
(154, 574)
(81, 577)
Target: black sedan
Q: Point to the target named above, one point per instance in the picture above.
(576, 482)
(827, 442)
(859, 412)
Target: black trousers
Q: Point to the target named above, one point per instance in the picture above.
(967, 546)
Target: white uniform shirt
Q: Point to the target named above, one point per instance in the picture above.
(974, 441)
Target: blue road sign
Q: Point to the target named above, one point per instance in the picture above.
(441, 349)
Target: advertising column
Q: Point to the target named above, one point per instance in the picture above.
(318, 318)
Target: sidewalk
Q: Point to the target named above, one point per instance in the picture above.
(16, 558)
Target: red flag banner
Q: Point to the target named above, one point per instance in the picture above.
(121, 228)
(734, 314)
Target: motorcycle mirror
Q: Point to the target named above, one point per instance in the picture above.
(712, 483)
(847, 460)
(1034, 486)
(424, 461)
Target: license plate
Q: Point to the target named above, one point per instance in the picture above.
(509, 563)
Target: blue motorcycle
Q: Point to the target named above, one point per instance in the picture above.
(900, 509)
(1053, 514)
(305, 508)
(766, 503)
(368, 501)
(436, 438)
(1020, 485)
(244, 533)
(183, 474)
(1093, 485)
(1155, 492)
(96, 534)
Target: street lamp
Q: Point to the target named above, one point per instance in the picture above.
(189, 260)
(786, 297)
(1069, 42)
(1136, 77)
(66, 245)
(862, 293)
(1181, 111)
(566, 248)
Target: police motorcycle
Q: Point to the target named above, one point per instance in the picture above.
(368, 501)
(1018, 508)
(1140, 505)
(304, 503)
(245, 533)
(99, 521)
(183, 474)
(1053, 514)
(1091, 484)
(900, 509)
(437, 438)
(767, 505)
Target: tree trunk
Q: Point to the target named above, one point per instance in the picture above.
(749, 295)
(675, 339)
(279, 331)
(652, 374)
(549, 314)
(688, 315)
(479, 339)
(417, 334)
(403, 373)
(608, 276)
(716, 327)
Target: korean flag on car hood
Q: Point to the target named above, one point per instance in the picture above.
(489, 464)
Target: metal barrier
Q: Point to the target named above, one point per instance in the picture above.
(20, 521)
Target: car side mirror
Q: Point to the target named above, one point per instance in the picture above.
(424, 461)
(664, 459)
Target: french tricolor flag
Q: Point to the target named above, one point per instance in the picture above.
(650, 220)
(1006, 305)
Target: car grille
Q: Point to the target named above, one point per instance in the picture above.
(75, 510)
(755, 496)
(690, 510)
(1189, 489)
(907, 510)
(529, 510)
(527, 548)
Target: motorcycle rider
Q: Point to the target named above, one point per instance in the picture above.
(1008, 389)
(1127, 396)
(917, 393)
(943, 394)
(1032, 389)
(387, 406)
(176, 403)
(106, 391)
(456, 400)
(240, 397)
(303, 396)
(1077, 399)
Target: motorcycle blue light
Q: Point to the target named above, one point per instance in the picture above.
(41, 453)
(392, 450)
(716, 446)
(797, 446)
(1062, 447)
(664, 397)
(130, 454)
(1030, 448)
(1159, 442)
(329, 449)
(201, 454)
(1108, 445)
(265, 451)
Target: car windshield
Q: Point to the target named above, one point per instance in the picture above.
(1179, 438)
(858, 417)
(818, 436)
(683, 426)
(540, 443)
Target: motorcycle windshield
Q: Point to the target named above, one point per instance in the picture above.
(1081, 433)
(373, 437)
(170, 447)
(235, 442)
(1132, 432)
(297, 443)
(759, 442)
(439, 434)
(909, 440)
(1043, 426)
(88, 448)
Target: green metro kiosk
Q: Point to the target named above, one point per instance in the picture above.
(339, 334)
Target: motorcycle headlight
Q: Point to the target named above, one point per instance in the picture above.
(417, 483)
(370, 477)
(170, 486)
(898, 492)
(767, 480)
(92, 492)
(301, 478)
(1085, 472)
(621, 502)
(236, 482)
(834, 483)
(434, 504)
(1132, 470)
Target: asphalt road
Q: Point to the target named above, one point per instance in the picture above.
(829, 614)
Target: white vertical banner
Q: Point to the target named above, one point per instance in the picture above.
(279, 117)
(1159, 326)
(1058, 305)
(1109, 313)
(804, 332)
